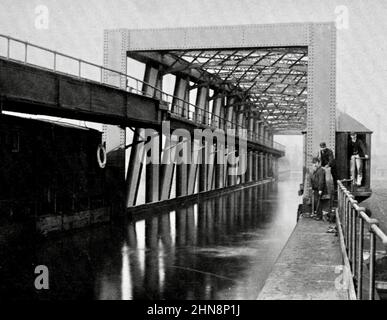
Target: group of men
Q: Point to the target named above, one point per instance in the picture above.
(324, 170)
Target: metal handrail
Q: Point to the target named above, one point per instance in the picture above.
(353, 219)
(177, 106)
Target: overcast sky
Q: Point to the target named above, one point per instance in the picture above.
(76, 27)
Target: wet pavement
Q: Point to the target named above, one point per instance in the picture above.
(221, 248)
(309, 267)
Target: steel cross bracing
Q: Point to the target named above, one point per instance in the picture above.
(272, 81)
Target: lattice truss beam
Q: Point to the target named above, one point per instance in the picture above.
(271, 81)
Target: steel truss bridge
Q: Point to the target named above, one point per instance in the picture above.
(266, 79)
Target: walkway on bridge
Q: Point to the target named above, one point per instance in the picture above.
(309, 266)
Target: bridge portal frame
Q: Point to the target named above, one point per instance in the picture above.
(319, 38)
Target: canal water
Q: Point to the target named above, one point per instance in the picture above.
(221, 248)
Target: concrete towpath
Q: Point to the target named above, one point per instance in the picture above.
(309, 267)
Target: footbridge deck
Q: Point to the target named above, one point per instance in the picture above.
(89, 94)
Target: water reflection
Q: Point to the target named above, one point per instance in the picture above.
(220, 248)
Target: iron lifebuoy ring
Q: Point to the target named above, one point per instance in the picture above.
(101, 162)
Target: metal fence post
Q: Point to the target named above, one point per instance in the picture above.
(347, 213)
(372, 266)
(372, 258)
(350, 236)
(354, 237)
(360, 259)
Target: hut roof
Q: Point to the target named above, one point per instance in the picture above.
(345, 123)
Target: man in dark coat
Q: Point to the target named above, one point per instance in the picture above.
(318, 186)
(328, 161)
(357, 151)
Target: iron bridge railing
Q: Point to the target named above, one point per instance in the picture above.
(178, 107)
(354, 219)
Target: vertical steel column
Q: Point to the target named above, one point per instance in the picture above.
(217, 109)
(152, 79)
(243, 177)
(135, 167)
(257, 163)
(273, 166)
(232, 167)
(257, 130)
(276, 173)
(211, 167)
(268, 156)
(251, 165)
(186, 109)
(203, 167)
(250, 169)
(219, 175)
(261, 166)
(178, 103)
(321, 106)
(231, 119)
(206, 113)
(115, 58)
(266, 165)
(181, 178)
(240, 118)
(250, 134)
(159, 83)
(241, 122)
(225, 167)
(167, 169)
(229, 113)
(202, 107)
(193, 167)
(270, 137)
(262, 133)
(152, 172)
(217, 104)
(234, 118)
(222, 114)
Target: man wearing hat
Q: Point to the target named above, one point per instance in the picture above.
(318, 186)
(357, 151)
(328, 162)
